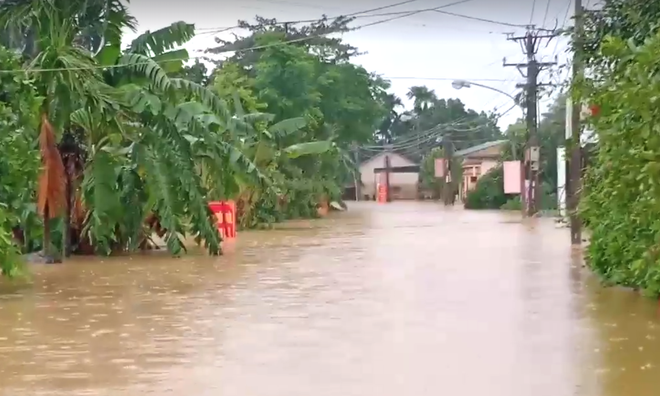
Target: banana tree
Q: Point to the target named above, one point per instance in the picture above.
(66, 75)
(262, 141)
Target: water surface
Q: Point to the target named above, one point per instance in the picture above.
(399, 299)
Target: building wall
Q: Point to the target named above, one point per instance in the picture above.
(487, 165)
(402, 185)
(478, 164)
(475, 170)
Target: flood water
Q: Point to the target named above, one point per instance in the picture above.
(383, 300)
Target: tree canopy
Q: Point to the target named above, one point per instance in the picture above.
(107, 144)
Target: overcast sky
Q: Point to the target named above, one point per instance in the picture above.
(427, 48)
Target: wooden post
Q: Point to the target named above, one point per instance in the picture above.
(388, 166)
(448, 189)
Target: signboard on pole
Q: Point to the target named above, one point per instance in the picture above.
(561, 181)
(512, 170)
(439, 167)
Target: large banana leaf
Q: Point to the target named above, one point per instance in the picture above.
(309, 148)
(172, 61)
(287, 127)
(148, 68)
(163, 40)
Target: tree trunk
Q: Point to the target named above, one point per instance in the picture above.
(66, 236)
(46, 238)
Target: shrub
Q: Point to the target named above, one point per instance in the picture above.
(489, 191)
(621, 197)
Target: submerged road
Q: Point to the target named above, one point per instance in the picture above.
(386, 300)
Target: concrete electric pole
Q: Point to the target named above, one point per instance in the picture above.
(531, 69)
(357, 177)
(448, 186)
(574, 160)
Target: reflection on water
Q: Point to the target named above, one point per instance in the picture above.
(400, 299)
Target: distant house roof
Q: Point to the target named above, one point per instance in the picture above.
(479, 147)
(391, 153)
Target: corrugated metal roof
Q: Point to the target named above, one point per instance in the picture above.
(479, 147)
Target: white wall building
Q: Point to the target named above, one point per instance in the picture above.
(402, 185)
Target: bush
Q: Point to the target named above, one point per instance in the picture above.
(489, 194)
(512, 204)
(489, 191)
(621, 197)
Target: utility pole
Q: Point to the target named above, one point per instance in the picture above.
(531, 165)
(357, 177)
(574, 165)
(388, 167)
(448, 152)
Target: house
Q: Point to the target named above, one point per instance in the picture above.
(477, 161)
(404, 176)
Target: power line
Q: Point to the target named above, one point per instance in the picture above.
(435, 132)
(481, 19)
(402, 13)
(258, 47)
(416, 12)
(563, 24)
(415, 139)
(547, 10)
(116, 66)
(354, 15)
(382, 8)
(531, 17)
(446, 79)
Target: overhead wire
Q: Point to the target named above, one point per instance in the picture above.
(438, 10)
(435, 133)
(382, 8)
(423, 134)
(236, 50)
(563, 24)
(354, 15)
(531, 17)
(411, 13)
(547, 10)
(502, 23)
(445, 78)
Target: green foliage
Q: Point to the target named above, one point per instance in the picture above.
(318, 108)
(489, 194)
(512, 204)
(489, 191)
(463, 126)
(427, 172)
(19, 162)
(622, 188)
(147, 142)
(627, 20)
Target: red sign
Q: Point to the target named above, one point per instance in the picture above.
(382, 193)
(225, 212)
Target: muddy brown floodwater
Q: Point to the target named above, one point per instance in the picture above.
(384, 300)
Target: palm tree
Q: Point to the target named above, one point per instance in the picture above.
(423, 98)
(391, 103)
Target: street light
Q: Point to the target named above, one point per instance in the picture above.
(458, 84)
